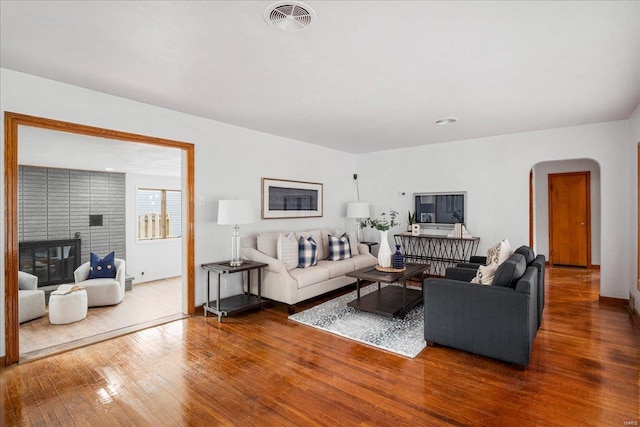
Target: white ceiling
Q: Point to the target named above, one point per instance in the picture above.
(365, 76)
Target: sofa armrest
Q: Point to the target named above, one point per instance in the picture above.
(478, 259)
(363, 249)
(460, 273)
(273, 264)
(27, 282)
(81, 273)
(472, 265)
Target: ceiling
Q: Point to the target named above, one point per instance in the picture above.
(364, 76)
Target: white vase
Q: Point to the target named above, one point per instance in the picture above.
(384, 252)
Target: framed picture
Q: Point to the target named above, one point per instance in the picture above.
(282, 198)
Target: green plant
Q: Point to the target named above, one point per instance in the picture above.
(383, 222)
(411, 218)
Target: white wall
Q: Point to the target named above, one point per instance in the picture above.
(634, 140)
(229, 161)
(495, 173)
(158, 259)
(541, 173)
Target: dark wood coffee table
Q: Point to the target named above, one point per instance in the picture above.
(390, 301)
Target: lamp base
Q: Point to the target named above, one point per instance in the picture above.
(235, 263)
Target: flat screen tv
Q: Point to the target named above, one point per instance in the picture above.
(441, 209)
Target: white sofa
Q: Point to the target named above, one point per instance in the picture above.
(299, 284)
(31, 303)
(102, 291)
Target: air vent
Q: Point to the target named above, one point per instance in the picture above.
(289, 15)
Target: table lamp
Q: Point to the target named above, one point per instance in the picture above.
(358, 211)
(235, 212)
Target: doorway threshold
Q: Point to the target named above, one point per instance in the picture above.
(83, 342)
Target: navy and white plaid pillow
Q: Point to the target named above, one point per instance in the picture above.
(307, 252)
(339, 248)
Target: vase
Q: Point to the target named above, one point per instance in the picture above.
(384, 252)
(397, 260)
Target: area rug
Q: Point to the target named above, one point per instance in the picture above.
(401, 336)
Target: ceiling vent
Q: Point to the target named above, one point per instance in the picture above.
(289, 15)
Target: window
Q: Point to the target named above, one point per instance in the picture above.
(159, 214)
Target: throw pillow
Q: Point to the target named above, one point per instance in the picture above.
(317, 237)
(353, 241)
(288, 250)
(307, 252)
(499, 252)
(485, 274)
(339, 248)
(102, 268)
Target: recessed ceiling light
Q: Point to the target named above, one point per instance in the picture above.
(446, 121)
(109, 169)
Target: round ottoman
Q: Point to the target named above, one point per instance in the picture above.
(68, 308)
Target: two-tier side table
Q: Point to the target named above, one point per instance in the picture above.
(237, 303)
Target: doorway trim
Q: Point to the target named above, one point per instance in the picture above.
(11, 123)
(587, 174)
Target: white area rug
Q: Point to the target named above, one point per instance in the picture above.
(400, 336)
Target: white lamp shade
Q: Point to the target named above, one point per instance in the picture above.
(232, 212)
(358, 210)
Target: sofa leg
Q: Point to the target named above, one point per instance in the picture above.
(431, 344)
(291, 309)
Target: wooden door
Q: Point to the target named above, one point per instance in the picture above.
(570, 219)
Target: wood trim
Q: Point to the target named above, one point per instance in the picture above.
(11, 319)
(635, 316)
(3, 362)
(615, 302)
(594, 267)
(12, 121)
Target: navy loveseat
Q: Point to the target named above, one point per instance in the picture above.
(498, 320)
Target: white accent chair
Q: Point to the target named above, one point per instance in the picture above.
(31, 303)
(102, 291)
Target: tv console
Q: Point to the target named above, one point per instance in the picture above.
(439, 252)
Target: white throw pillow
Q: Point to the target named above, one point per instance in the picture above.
(499, 252)
(485, 274)
(287, 249)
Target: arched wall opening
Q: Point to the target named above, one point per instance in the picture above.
(540, 200)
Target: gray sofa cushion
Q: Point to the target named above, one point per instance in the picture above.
(510, 271)
(527, 252)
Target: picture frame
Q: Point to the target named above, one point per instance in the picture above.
(283, 198)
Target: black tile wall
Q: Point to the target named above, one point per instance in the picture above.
(56, 204)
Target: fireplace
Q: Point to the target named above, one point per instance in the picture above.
(53, 261)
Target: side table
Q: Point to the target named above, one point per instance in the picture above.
(237, 303)
(370, 244)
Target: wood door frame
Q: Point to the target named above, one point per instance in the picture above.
(11, 123)
(588, 221)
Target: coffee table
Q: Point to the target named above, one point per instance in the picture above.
(390, 301)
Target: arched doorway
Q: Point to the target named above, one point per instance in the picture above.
(539, 199)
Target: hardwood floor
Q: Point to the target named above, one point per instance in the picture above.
(144, 303)
(261, 369)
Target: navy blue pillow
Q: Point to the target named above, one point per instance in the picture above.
(102, 268)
